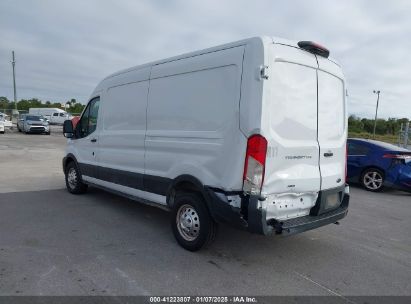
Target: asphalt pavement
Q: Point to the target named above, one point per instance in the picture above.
(55, 243)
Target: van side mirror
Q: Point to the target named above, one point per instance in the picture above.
(68, 129)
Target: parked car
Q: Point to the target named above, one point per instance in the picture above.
(251, 133)
(375, 165)
(2, 129)
(29, 123)
(6, 120)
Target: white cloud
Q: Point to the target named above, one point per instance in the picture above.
(64, 48)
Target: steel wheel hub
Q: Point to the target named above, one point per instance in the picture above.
(72, 178)
(188, 222)
(373, 180)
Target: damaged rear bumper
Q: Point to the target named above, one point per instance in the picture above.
(247, 212)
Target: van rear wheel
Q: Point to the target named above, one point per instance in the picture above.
(74, 184)
(191, 222)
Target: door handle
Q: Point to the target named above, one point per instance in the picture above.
(93, 140)
(328, 154)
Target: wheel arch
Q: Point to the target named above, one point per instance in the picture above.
(68, 159)
(186, 183)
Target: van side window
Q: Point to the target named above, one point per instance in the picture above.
(92, 120)
(62, 114)
(55, 114)
(88, 122)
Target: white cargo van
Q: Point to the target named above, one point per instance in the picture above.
(54, 115)
(251, 133)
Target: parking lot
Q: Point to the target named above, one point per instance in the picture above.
(54, 243)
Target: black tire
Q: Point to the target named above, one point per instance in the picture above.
(1, 132)
(372, 179)
(47, 133)
(74, 184)
(193, 207)
(18, 129)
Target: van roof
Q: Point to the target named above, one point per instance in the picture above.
(194, 53)
(262, 40)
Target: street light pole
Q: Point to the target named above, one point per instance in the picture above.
(13, 63)
(376, 110)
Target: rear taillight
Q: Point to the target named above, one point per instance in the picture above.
(254, 165)
(397, 156)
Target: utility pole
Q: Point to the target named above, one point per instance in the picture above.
(13, 63)
(376, 110)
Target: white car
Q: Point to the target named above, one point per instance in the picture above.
(31, 123)
(4, 122)
(251, 133)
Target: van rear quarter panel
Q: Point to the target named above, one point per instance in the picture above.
(193, 119)
(255, 57)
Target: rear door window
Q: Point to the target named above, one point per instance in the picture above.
(331, 112)
(294, 101)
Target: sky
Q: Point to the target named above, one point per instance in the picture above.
(64, 48)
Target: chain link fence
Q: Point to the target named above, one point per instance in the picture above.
(404, 136)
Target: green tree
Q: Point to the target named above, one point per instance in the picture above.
(355, 124)
(76, 108)
(4, 103)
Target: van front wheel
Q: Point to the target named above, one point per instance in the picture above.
(191, 222)
(74, 183)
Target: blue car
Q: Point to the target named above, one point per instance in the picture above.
(376, 165)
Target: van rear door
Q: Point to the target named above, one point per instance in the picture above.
(289, 123)
(305, 115)
(332, 130)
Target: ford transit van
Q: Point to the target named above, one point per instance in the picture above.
(251, 133)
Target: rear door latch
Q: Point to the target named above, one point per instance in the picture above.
(263, 72)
